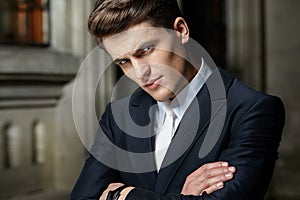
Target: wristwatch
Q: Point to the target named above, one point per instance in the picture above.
(114, 194)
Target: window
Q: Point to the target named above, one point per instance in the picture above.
(24, 22)
(12, 146)
(38, 142)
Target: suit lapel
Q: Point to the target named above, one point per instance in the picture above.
(184, 134)
(142, 110)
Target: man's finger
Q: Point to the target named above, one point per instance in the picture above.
(210, 178)
(208, 166)
(214, 188)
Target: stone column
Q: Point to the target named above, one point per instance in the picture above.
(60, 28)
(245, 59)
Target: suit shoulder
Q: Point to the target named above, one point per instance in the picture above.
(241, 95)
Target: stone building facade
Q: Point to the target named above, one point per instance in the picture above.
(40, 149)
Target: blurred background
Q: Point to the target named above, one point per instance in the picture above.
(43, 42)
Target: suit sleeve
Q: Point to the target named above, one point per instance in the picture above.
(93, 180)
(254, 139)
(95, 176)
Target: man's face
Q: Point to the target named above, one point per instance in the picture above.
(153, 58)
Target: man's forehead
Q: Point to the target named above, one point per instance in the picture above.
(130, 41)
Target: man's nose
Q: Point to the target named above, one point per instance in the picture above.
(142, 70)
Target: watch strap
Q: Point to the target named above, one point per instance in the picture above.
(114, 194)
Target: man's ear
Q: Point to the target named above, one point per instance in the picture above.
(182, 29)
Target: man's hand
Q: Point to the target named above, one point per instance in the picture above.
(208, 178)
(114, 186)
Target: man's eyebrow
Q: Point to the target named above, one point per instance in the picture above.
(117, 60)
(145, 44)
(136, 50)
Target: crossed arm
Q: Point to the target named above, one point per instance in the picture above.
(252, 150)
(208, 178)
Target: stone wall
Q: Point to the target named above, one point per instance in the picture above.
(283, 72)
(269, 62)
(263, 50)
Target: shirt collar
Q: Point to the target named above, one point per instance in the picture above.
(183, 100)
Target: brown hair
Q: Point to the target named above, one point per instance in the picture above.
(110, 17)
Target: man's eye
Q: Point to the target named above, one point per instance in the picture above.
(146, 49)
(123, 61)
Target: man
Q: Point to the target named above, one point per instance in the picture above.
(191, 131)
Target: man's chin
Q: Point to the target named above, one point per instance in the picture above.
(160, 94)
(162, 98)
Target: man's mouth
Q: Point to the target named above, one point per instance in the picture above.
(153, 84)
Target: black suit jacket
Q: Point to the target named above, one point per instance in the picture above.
(248, 140)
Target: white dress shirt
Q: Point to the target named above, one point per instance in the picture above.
(185, 97)
(183, 100)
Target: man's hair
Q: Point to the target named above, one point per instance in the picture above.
(110, 17)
